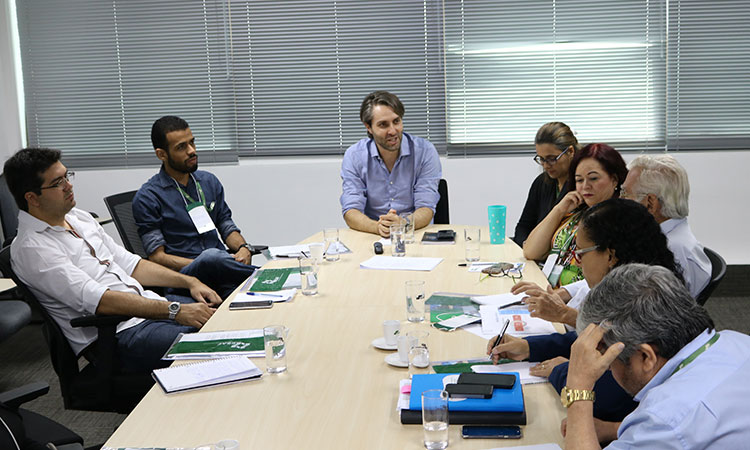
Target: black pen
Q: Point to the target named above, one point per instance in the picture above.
(500, 336)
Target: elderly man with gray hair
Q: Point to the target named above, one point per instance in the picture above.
(690, 381)
(660, 183)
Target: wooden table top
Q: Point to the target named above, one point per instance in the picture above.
(338, 392)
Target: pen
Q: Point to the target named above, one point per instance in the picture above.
(477, 264)
(263, 295)
(500, 337)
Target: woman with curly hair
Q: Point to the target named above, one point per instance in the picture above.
(612, 233)
(598, 171)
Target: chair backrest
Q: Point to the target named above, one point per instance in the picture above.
(8, 211)
(120, 208)
(442, 216)
(718, 270)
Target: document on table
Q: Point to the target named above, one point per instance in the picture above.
(207, 373)
(283, 295)
(521, 322)
(381, 262)
(522, 367)
(499, 300)
(295, 251)
(217, 344)
(531, 447)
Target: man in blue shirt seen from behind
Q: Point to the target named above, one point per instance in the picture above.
(390, 172)
(182, 217)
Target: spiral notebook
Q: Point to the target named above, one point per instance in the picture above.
(203, 374)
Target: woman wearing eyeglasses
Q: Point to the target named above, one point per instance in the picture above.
(612, 233)
(598, 171)
(555, 148)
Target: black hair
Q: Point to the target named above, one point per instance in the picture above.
(23, 172)
(162, 127)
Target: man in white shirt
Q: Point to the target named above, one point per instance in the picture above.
(74, 268)
(660, 183)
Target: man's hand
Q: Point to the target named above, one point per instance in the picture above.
(509, 347)
(385, 221)
(605, 431)
(203, 293)
(194, 314)
(243, 255)
(523, 286)
(587, 364)
(544, 368)
(547, 305)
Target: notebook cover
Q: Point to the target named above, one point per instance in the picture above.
(503, 400)
(410, 417)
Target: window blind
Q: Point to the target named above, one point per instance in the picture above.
(512, 66)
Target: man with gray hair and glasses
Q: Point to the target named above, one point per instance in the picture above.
(660, 183)
(690, 380)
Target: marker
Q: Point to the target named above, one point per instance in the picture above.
(499, 337)
(259, 294)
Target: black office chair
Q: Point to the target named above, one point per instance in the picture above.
(8, 212)
(718, 270)
(36, 426)
(14, 315)
(120, 207)
(94, 387)
(442, 216)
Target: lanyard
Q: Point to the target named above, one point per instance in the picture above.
(696, 353)
(187, 198)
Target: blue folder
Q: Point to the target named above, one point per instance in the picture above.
(503, 400)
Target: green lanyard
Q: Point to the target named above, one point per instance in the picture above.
(200, 194)
(696, 353)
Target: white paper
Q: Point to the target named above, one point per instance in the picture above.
(531, 447)
(522, 367)
(201, 219)
(294, 280)
(479, 265)
(289, 251)
(385, 241)
(499, 300)
(216, 335)
(211, 372)
(522, 324)
(459, 321)
(337, 248)
(382, 262)
(275, 296)
(549, 264)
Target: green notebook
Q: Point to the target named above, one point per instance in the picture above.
(269, 280)
(443, 307)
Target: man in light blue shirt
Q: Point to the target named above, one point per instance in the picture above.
(390, 172)
(690, 381)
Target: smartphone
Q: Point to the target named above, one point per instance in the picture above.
(498, 380)
(250, 304)
(469, 390)
(491, 432)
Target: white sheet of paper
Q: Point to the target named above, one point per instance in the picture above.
(459, 321)
(382, 262)
(522, 324)
(522, 367)
(289, 251)
(275, 296)
(216, 335)
(531, 447)
(549, 264)
(294, 280)
(385, 241)
(201, 219)
(499, 300)
(478, 266)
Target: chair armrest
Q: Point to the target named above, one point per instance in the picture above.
(20, 395)
(98, 321)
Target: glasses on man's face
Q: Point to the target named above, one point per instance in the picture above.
(60, 182)
(551, 161)
(578, 254)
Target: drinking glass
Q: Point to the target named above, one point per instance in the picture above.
(308, 270)
(415, 300)
(274, 340)
(331, 236)
(435, 419)
(407, 219)
(398, 244)
(472, 239)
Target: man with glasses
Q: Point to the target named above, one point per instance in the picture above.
(74, 268)
(183, 220)
(388, 173)
(660, 183)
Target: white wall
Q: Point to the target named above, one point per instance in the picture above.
(280, 201)
(10, 125)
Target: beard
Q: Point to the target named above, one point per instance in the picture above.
(182, 167)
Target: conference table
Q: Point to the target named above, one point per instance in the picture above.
(338, 392)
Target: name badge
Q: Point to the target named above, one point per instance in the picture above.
(200, 218)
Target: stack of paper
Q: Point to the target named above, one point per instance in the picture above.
(204, 374)
(283, 295)
(381, 262)
(499, 300)
(295, 251)
(217, 344)
(521, 322)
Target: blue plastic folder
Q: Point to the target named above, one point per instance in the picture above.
(503, 400)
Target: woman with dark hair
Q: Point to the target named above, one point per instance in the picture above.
(598, 171)
(612, 233)
(556, 145)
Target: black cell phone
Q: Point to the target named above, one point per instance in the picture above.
(498, 380)
(250, 304)
(469, 390)
(378, 248)
(446, 235)
(491, 432)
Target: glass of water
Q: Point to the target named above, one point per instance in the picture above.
(308, 270)
(472, 239)
(407, 219)
(415, 300)
(435, 419)
(419, 360)
(398, 244)
(331, 236)
(274, 340)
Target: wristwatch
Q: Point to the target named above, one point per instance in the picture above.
(174, 309)
(247, 246)
(569, 396)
